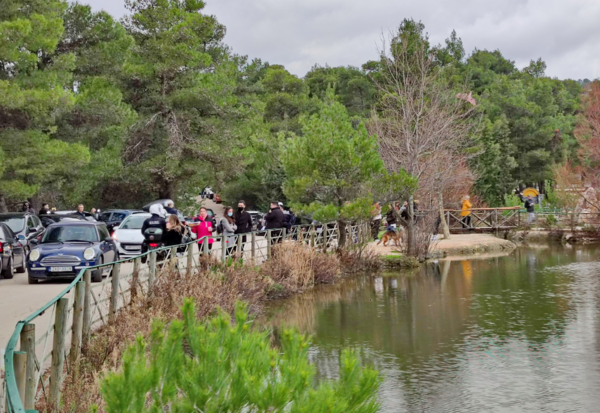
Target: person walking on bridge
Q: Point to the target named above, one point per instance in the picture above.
(466, 212)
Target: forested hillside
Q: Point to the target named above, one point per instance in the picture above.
(116, 113)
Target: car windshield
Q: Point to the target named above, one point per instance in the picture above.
(134, 222)
(70, 233)
(15, 223)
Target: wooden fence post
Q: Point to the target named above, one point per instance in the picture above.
(28, 346)
(136, 265)
(312, 236)
(190, 259)
(283, 234)
(20, 368)
(58, 351)
(253, 240)
(114, 291)
(205, 245)
(152, 273)
(77, 332)
(239, 247)
(269, 244)
(174, 256)
(87, 308)
(223, 248)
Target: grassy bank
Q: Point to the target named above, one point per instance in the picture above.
(294, 268)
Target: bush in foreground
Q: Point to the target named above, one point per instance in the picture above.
(215, 366)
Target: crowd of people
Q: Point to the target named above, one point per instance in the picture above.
(232, 226)
(395, 210)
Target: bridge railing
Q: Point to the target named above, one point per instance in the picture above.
(484, 218)
(47, 345)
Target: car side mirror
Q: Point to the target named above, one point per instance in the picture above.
(30, 230)
(108, 239)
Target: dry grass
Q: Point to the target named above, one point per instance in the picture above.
(292, 269)
(295, 267)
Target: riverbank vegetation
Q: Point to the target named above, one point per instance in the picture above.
(213, 287)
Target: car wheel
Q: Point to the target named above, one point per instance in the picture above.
(97, 274)
(23, 268)
(7, 273)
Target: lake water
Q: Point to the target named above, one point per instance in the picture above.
(517, 333)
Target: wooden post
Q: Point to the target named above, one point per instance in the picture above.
(20, 366)
(28, 346)
(87, 308)
(152, 273)
(223, 248)
(253, 240)
(190, 259)
(283, 234)
(114, 291)
(268, 244)
(58, 351)
(76, 334)
(205, 246)
(136, 265)
(173, 256)
(239, 247)
(312, 236)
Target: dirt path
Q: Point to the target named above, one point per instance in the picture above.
(459, 244)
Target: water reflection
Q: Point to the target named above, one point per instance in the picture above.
(513, 333)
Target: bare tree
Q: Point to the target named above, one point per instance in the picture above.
(422, 125)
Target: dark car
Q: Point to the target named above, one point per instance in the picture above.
(113, 217)
(67, 247)
(12, 252)
(88, 215)
(26, 227)
(49, 219)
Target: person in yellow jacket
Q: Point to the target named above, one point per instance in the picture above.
(466, 212)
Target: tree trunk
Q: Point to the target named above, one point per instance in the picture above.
(442, 217)
(342, 234)
(3, 207)
(410, 227)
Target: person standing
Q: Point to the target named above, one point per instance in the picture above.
(229, 228)
(376, 220)
(170, 208)
(203, 229)
(243, 221)
(174, 234)
(274, 221)
(27, 208)
(79, 213)
(390, 218)
(466, 212)
(94, 213)
(530, 207)
(45, 209)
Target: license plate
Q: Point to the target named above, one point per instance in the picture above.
(132, 247)
(61, 269)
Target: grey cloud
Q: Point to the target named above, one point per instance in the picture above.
(299, 34)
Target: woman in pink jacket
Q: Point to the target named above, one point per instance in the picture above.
(203, 228)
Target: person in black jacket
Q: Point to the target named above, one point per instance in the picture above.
(530, 207)
(156, 220)
(174, 234)
(45, 209)
(80, 212)
(275, 220)
(243, 220)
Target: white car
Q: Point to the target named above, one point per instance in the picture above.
(128, 235)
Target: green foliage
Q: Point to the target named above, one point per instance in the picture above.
(332, 162)
(217, 366)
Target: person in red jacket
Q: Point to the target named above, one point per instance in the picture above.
(203, 227)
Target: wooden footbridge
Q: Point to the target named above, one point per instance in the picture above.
(484, 219)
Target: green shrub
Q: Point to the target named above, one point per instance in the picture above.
(217, 366)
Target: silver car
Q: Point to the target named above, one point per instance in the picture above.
(128, 235)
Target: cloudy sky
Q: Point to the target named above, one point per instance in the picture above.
(301, 33)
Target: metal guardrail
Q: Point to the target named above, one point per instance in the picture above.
(38, 368)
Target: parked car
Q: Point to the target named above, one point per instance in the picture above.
(67, 247)
(113, 217)
(256, 217)
(49, 219)
(26, 227)
(88, 215)
(128, 236)
(12, 252)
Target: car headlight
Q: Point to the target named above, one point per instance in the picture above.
(89, 254)
(34, 255)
